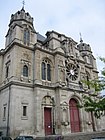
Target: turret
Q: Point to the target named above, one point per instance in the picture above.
(86, 53)
(21, 29)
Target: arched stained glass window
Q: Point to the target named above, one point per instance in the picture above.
(26, 36)
(43, 71)
(46, 70)
(25, 71)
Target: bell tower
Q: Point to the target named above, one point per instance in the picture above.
(86, 53)
(21, 29)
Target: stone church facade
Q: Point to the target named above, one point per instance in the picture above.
(40, 81)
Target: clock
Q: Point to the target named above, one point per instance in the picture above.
(72, 71)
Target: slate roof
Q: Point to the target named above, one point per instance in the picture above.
(40, 38)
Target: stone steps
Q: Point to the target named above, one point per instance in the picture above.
(74, 136)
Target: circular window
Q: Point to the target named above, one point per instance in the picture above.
(72, 71)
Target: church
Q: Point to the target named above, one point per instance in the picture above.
(40, 81)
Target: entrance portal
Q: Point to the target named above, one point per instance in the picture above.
(47, 121)
(74, 116)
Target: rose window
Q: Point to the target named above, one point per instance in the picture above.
(72, 71)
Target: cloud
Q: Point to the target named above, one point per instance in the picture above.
(65, 16)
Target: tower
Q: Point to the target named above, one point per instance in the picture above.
(40, 81)
(21, 30)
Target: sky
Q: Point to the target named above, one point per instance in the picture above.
(69, 17)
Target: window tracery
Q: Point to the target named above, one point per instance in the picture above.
(72, 71)
(46, 70)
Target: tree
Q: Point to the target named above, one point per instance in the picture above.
(94, 102)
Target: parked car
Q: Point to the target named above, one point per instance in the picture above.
(24, 138)
(5, 138)
(98, 138)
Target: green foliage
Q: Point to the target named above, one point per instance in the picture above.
(93, 102)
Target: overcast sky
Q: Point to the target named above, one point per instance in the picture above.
(69, 17)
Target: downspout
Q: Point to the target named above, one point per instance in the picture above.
(8, 116)
(33, 66)
(33, 81)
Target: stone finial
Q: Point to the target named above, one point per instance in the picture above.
(81, 40)
(23, 2)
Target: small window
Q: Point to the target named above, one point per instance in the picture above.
(25, 71)
(7, 71)
(24, 111)
(26, 37)
(4, 112)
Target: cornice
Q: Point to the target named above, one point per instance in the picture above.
(17, 84)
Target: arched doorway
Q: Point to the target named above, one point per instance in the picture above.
(74, 116)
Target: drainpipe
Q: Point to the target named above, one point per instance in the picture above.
(34, 71)
(53, 120)
(8, 116)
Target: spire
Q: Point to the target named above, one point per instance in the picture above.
(23, 2)
(81, 41)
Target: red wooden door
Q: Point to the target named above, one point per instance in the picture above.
(47, 121)
(74, 116)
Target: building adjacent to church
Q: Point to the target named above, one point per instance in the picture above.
(40, 81)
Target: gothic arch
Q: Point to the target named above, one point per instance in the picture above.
(48, 59)
(76, 97)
